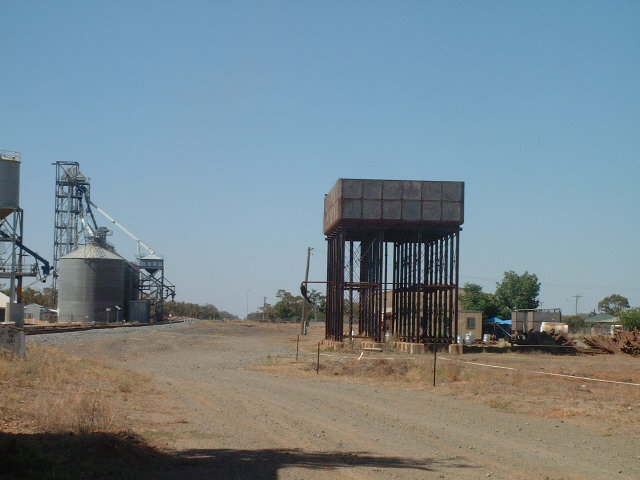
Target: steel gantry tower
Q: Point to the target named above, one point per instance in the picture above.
(71, 188)
(76, 225)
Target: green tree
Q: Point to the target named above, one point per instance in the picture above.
(613, 304)
(574, 321)
(517, 292)
(42, 297)
(630, 318)
(288, 307)
(474, 298)
(30, 295)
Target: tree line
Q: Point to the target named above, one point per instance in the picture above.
(288, 308)
(517, 292)
(195, 310)
(514, 292)
(30, 295)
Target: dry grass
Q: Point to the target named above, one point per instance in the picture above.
(54, 392)
(511, 390)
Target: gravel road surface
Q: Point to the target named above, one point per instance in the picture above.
(243, 423)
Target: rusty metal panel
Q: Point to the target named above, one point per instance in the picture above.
(392, 259)
(393, 203)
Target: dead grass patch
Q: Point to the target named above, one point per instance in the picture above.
(54, 392)
(517, 390)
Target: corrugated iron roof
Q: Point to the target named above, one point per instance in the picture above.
(92, 251)
(602, 318)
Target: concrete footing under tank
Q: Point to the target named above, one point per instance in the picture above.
(404, 347)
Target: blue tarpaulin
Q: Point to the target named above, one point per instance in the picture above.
(499, 321)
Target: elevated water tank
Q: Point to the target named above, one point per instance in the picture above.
(91, 285)
(394, 204)
(9, 183)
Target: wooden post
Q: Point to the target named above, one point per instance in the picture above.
(435, 357)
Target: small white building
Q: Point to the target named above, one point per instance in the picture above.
(3, 306)
(532, 319)
(33, 311)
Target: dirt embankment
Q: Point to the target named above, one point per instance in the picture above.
(211, 405)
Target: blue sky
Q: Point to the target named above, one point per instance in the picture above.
(213, 130)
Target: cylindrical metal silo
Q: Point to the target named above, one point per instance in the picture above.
(9, 183)
(91, 285)
(131, 287)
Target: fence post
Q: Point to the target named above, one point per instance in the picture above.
(435, 357)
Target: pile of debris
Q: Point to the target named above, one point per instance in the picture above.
(555, 342)
(626, 343)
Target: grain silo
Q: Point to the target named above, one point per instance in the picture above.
(131, 288)
(11, 234)
(9, 183)
(91, 287)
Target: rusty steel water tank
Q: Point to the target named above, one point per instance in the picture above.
(393, 204)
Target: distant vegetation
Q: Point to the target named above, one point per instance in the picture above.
(514, 292)
(194, 310)
(288, 308)
(613, 304)
(42, 297)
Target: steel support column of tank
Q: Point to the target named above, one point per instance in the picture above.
(335, 286)
(370, 286)
(424, 286)
(425, 289)
(392, 262)
(361, 294)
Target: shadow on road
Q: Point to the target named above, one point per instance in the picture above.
(123, 456)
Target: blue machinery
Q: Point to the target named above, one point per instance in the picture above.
(13, 252)
(40, 271)
(13, 266)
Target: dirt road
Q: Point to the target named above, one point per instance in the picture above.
(243, 423)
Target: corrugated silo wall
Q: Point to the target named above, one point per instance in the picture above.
(131, 287)
(88, 286)
(9, 187)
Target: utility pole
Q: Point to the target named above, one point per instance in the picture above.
(577, 297)
(247, 316)
(303, 329)
(264, 308)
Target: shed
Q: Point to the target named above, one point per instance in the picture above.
(3, 305)
(33, 311)
(470, 321)
(603, 323)
(602, 318)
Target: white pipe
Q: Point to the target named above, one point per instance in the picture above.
(122, 227)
